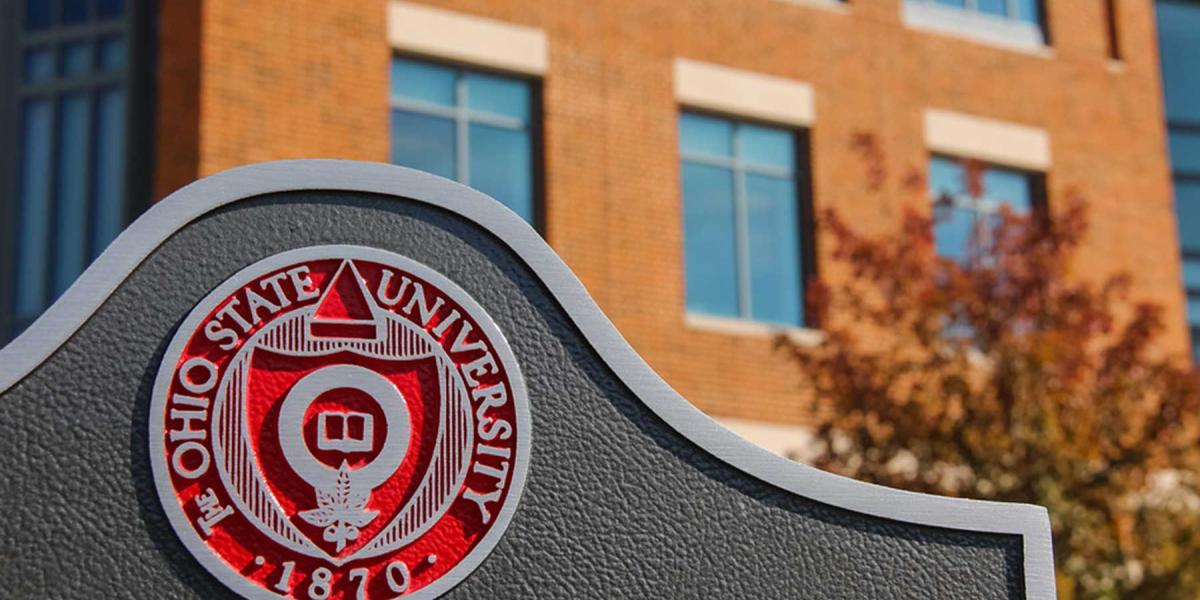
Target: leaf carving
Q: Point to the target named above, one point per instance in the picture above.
(341, 509)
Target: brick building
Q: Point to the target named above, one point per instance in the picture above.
(672, 151)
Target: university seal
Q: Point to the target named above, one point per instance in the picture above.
(339, 422)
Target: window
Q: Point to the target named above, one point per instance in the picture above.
(960, 216)
(470, 126)
(68, 96)
(1015, 23)
(743, 220)
(1178, 22)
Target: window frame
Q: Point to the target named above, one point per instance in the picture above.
(462, 118)
(138, 27)
(801, 178)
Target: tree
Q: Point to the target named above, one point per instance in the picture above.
(1002, 376)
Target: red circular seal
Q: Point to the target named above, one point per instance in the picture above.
(339, 422)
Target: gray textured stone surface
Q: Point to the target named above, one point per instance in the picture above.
(616, 505)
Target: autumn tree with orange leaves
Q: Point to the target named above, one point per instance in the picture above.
(1002, 376)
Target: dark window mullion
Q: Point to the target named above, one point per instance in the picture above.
(89, 170)
(74, 32)
(1185, 126)
(11, 61)
(77, 83)
(91, 109)
(48, 246)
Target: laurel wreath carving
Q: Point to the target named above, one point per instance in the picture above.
(341, 509)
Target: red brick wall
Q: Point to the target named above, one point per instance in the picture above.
(177, 110)
(309, 78)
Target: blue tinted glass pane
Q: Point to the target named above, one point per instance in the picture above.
(423, 142)
(1009, 187)
(37, 14)
(766, 146)
(773, 227)
(1187, 207)
(70, 203)
(1185, 150)
(74, 11)
(39, 65)
(33, 214)
(955, 3)
(1191, 273)
(423, 82)
(498, 95)
(952, 231)
(108, 210)
(111, 8)
(699, 134)
(1029, 11)
(76, 58)
(708, 240)
(1179, 46)
(946, 177)
(501, 167)
(1193, 310)
(997, 8)
(112, 54)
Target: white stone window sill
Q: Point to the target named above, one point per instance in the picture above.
(804, 336)
(840, 7)
(993, 31)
